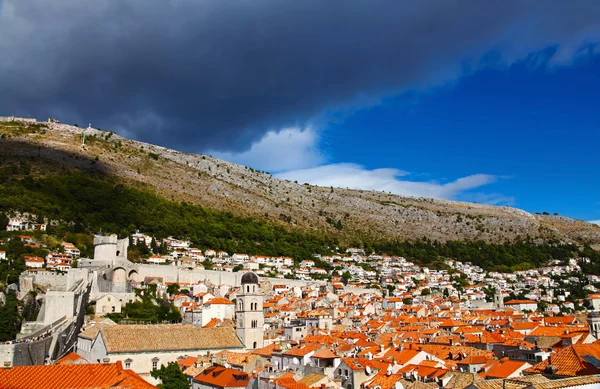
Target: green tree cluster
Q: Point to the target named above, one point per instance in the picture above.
(171, 377)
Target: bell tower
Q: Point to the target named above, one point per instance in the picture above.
(250, 318)
(593, 320)
(498, 299)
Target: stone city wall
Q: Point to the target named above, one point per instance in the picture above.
(17, 119)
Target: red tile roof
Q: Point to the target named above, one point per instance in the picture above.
(221, 377)
(68, 359)
(218, 300)
(71, 376)
(572, 361)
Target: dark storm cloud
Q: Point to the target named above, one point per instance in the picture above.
(210, 74)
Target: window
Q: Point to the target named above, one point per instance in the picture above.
(113, 308)
(254, 345)
(128, 363)
(155, 363)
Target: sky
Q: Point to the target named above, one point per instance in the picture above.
(492, 102)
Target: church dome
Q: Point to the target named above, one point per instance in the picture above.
(249, 278)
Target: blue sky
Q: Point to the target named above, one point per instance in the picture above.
(532, 128)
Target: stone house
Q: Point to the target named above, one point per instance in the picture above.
(142, 348)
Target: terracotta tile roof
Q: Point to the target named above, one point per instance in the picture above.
(233, 358)
(140, 338)
(290, 383)
(312, 379)
(504, 368)
(572, 361)
(218, 300)
(569, 382)
(73, 376)
(303, 350)
(515, 302)
(560, 319)
(501, 384)
(361, 363)
(555, 331)
(222, 377)
(383, 381)
(212, 323)
(324, 354)
(69, 359)
(461, 380)
(186, 362)
(474, 360)
(267, 351)
(525, 325)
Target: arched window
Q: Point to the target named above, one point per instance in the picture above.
(240, 305)
(247, 288)
(254, 345)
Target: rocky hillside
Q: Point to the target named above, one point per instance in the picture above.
(214, 183)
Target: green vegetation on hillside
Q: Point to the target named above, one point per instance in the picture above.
(95, 204)
(10, 321)
(510, 256)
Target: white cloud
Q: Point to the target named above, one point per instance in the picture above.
(293, 154)
(389, 180)
(288, 149)
(595, 222)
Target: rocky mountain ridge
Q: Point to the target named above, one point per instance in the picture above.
(353, 215)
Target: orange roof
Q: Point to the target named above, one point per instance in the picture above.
(575, 360)
(218, 300)
(100, 376)
(221, 377)
(474, 360)
(555, 331)
(304, 350)
(68, 359)
(267, 351)
(504, 368)
(515, 302)
(187, 362)
(525, 325)
(324, 354)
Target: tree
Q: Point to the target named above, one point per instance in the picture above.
(425, 292)
(346, 277)
(154, 246)
(10, 322)
(237, 268)
(173, 288)
(3, 221)
(171, 377)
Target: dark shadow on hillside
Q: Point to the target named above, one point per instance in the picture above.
(18, 150)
